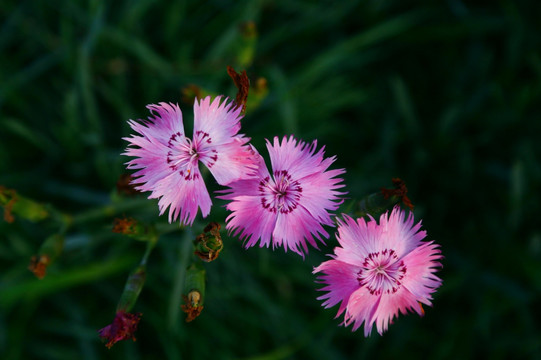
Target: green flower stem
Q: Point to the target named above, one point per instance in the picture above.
(151, 243)
(185, 254)
(136, 280)
(109, 211)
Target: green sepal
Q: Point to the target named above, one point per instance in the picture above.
(132, 289)
(195, 281)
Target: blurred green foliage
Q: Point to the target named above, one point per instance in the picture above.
(445, 95)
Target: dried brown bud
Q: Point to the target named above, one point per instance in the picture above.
(38, 265)
(243, 85)
(400, 191)
(124, 226)
(192, 306)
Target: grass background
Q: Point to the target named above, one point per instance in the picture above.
(445, 95)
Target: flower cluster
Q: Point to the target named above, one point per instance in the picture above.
(379, 269)
(288, 206)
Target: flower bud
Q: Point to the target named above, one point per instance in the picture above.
(194, 287)
(132, 289)
(134, 229)
(125, 323)
(400, 191)
(209, 243)
(48, 252)
(123, 327)
(28, 209)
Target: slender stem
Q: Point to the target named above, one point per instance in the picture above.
(185, 253)
(150, 246)
(108, 211)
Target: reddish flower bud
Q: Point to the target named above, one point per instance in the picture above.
(123, 327)
(399, 191)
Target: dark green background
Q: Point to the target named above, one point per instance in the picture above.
(445, 95)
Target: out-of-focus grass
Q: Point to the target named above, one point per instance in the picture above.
(444, 95)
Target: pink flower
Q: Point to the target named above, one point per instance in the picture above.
(380, 270)
(290, 205)
(168, 161)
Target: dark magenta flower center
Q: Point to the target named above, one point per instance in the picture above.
(382, 272)
(185, 154)
(280, 193)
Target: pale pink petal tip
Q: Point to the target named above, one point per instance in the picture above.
(379, 270)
